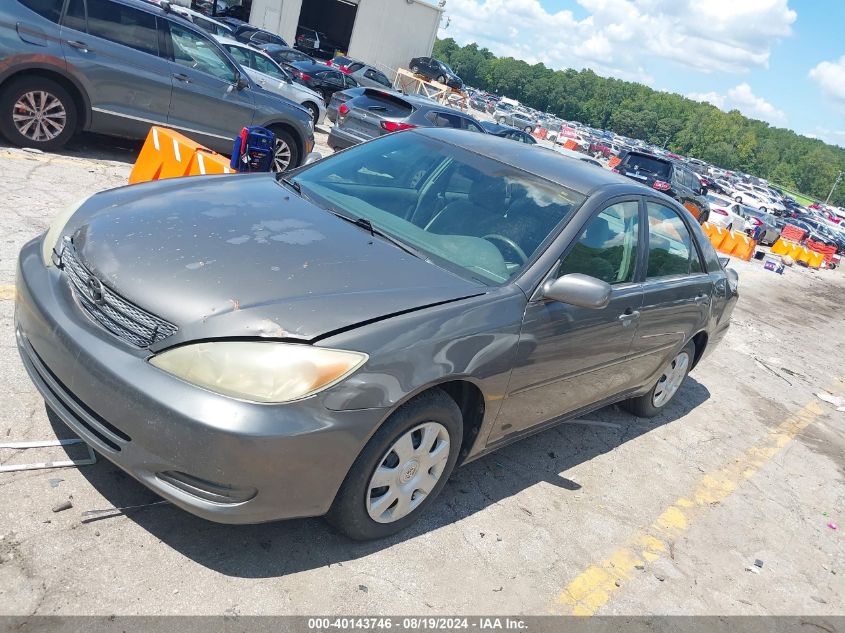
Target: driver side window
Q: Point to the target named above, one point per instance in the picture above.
(194, 51)
(607, 248)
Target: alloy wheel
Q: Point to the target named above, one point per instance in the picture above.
(39, 116)
(408, 472)
(281, 156)
(671, 379)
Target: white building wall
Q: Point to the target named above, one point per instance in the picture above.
(388, 33)
(277, 16)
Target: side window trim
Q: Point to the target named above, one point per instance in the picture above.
(641, 241)
(644, 255)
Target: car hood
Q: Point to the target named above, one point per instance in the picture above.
(237, 256)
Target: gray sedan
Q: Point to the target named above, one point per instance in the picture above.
(336, 342)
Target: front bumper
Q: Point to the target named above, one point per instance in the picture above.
(234, 461)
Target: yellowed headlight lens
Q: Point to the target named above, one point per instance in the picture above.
(56, 228)
(259, 371)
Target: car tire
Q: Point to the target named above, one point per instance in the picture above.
(673, 376)
(763, 209)
(286, 153)
(58, 120)
(415, 70)
(738, 199)
(441, 79)
(314, 110)
(528, 130)
(354, 507)
(500, 120)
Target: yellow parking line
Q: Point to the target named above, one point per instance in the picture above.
(7, 292)
(593, 588)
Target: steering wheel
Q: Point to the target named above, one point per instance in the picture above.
(495, 237)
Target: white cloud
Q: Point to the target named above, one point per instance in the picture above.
(834, 137)
(618, 35)
(713, 98)
(742, 98)
(830, 76)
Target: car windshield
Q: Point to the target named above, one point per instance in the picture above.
(477, 217)
(650, 165)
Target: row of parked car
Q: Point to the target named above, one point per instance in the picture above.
(118, 66)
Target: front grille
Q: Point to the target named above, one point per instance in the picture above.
(123, 319)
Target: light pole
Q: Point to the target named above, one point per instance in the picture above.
(833, 188)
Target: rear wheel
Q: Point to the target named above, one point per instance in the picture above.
(441, 79)
(285, 154)
(738, 199)
(415, 70)
(314, 110)
(401, 469)
(37, 112)
(667, 386)
(500, 120)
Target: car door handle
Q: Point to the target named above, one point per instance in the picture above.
(182, 77)
(80, 46)
(701, 297)
(629, 315)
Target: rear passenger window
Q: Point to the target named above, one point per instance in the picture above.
(75, 16)
(49, 9)
(447, 119)
(123, 25)
(607, 249)
(670, 248)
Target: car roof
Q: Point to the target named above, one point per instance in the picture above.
(315, 66)
(574, 174)
(495, 128)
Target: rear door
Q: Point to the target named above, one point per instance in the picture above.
(116, 50)
(677, 291)
(206, 101)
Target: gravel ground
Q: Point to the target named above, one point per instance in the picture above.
(609, 515)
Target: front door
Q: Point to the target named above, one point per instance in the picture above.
(115, 50)
(571, 357)
(206, 103)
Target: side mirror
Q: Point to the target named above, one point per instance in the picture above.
(241, 82)
(579, 290)
(313, 157)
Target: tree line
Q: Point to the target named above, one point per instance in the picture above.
(690, 128)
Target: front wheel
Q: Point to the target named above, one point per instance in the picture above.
(667, 386)
(401, 470)
(314, 110)
(441, 79)
(37, 112)
(285, 153)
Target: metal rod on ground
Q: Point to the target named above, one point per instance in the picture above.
(88, 461)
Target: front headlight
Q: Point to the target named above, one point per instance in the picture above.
(56, 228)
(260, 371)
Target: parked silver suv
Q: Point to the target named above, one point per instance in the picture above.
(118, 67)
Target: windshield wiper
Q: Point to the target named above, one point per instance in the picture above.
(293, 185)
(368, 226)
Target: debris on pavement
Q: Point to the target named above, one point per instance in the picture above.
(65, 505)
(758, 563)
(17, 446)
(832, 525)
(118, 511)
(836, 401)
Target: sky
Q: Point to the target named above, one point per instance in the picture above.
(781, 61)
